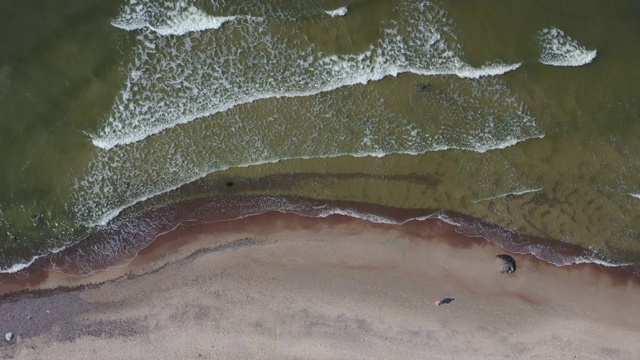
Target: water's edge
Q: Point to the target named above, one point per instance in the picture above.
(123, 238)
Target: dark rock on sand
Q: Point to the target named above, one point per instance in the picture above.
(509, 263)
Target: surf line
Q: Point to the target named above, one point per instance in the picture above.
(107, 141)
(515, 193)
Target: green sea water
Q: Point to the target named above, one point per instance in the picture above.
(117, 107)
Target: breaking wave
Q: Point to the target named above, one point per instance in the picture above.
(175, 80)
(337, 12)
(558, 49)
(510, 193)
(168, 18)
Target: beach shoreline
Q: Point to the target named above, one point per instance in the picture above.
(262, 179)
(123, 238)
(280, 285)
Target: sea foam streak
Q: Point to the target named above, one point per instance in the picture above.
(208, 72)
(559, 49)
(23, 265)
(177, 18)
(560, 255)
(337, 12)
(510, 193)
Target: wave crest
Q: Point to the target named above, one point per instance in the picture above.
(168, 18)
(212, 72)
(337, 12)
(558, 49)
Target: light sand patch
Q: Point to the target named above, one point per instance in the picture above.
(321, 288)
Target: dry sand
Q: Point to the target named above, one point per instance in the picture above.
(279, 286)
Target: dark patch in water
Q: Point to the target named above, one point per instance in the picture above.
(424, 87)
(542, 199)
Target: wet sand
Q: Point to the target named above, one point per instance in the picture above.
(285, 286)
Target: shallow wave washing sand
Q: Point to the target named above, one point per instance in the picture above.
(122, 239)
(181, 20)
(514, 192)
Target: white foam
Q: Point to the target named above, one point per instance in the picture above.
(594, 260)
(446, 219)
(353, 72)
(201, 82)
(539, 252)
(470, 72)
(194, 22)
(21, 266)
(510, 193)
(337, 12)
(107, 141)
(559, 49)
(177, 18)
(103, 218)
(503, 238)
(531, 249)
(535, 250)
(475, 112)
(474, 122)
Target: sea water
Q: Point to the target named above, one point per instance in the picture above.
(520, 117)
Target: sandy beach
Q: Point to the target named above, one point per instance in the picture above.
(280, 286)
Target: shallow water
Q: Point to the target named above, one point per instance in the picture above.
(517, 114)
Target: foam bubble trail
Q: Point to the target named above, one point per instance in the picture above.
(558, 49)
(337, 12)
(176, 79)
(25, 264)
(559, 254)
